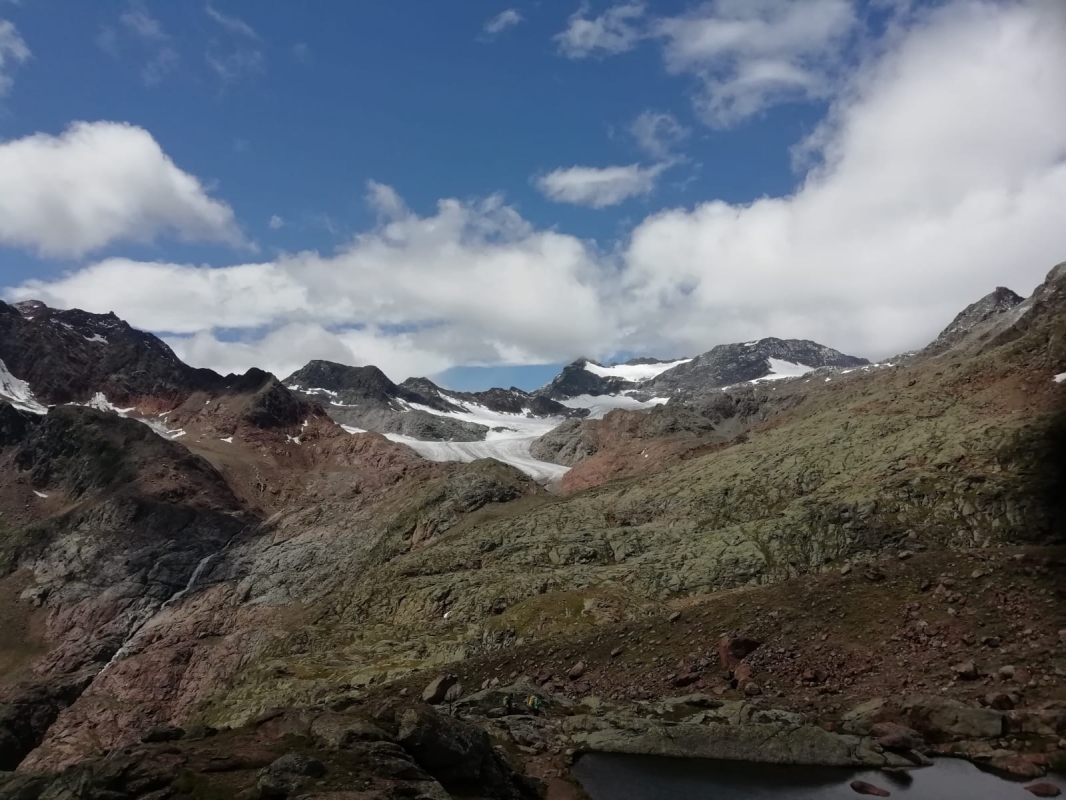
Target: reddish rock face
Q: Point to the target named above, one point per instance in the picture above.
(742, 673)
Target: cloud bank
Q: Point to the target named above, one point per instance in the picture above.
(938, 173)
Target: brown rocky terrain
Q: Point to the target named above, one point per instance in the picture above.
(887, 533)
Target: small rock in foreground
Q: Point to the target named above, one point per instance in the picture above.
(1044, 789)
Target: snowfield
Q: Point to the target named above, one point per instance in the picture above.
(1060, 378)
(783, 369)
(100, 402)
(513, 451)
(508, 439)
(634, 372)
(600, 405)
(18, 392)
(510, 435)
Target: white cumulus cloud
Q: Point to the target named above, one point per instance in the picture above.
(938, 175)
(599, 187)
(472, 283)
(98, 183)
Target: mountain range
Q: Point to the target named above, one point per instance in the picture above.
(204, 575)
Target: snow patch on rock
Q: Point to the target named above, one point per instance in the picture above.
(600, 405)
(18, 392)
(780, 370)
(635, 373)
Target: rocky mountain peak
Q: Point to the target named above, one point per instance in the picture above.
(575, 380)
(330, 377)
(741, 362)
(975, 318)
(28, 308)
(69, 355)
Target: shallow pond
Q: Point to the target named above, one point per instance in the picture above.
(621, 777)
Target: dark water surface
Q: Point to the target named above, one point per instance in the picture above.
(620, 777)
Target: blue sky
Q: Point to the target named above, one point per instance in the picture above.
(261, 183)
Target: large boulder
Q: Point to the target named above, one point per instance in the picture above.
(438, 689)
(941, 720)
(460, 755)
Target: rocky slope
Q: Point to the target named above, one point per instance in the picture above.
(268, 560)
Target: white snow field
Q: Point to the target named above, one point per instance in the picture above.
(100, 402)
(513, 450)
(18, 393)
(509, 445)
(600, 405)
(634, 372)
(783, 369)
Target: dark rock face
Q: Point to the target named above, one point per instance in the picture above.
(269, 405)
(516, 401)
(423, 755)
(14, 424)
(27, 712)
(365, 387)
(67, 356)
(730, 364)
(575, 380)
(459, 754)
(70, 356)
(82, 449)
